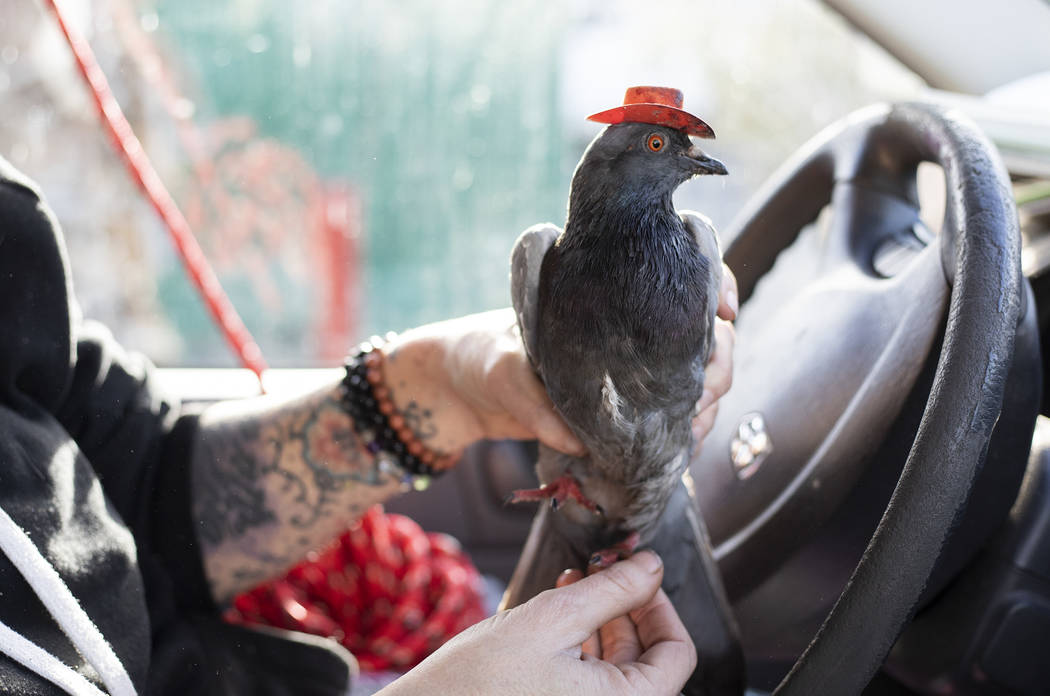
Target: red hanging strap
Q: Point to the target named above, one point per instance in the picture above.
(146, 176)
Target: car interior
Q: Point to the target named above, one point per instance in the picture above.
(876, 487)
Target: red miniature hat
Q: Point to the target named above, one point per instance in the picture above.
(661, 106)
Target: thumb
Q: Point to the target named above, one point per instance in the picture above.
(615, 591)
(529, 404)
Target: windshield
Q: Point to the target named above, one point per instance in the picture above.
(351, 168)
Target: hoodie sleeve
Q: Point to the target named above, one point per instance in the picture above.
(51, 362)
(138, 442)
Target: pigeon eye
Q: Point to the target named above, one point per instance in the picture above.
(655, 142)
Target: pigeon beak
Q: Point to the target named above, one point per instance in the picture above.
(702, 164)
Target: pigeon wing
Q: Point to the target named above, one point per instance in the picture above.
(707, 240)
(525, 263)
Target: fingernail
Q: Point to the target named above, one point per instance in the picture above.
(733, 301)
(650, 561)
(568, 577)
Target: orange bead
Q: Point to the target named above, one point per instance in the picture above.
(386, 408)
(405, 434)
(427, 457)
(374, 375)
(415, 448)
(381, 393)
(396, 421)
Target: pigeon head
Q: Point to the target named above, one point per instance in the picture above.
(637, 163)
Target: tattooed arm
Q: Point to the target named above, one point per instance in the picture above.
(274, 478)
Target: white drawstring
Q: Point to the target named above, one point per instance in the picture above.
(24, 651)
(66, 611)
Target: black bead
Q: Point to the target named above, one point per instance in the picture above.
(359, 402)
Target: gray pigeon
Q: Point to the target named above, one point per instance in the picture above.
(617, 314)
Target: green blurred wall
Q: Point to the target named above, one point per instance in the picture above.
(444, 116)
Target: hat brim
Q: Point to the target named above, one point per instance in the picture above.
(656, 114)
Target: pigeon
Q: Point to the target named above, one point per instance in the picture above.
(617, 313)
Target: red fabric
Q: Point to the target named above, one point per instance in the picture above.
(387, 590)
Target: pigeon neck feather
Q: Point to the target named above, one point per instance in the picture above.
(620, 211)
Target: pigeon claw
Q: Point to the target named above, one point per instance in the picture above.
(558, 491)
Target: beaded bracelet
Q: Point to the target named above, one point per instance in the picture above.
(384, 430)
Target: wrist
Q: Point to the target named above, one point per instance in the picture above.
(395, 434)
(423, 388)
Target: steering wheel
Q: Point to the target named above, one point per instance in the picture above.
(825, 364)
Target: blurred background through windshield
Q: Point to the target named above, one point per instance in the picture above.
(356, 167)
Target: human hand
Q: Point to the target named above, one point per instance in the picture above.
(539, 647)
(469, 379)
(719, 374)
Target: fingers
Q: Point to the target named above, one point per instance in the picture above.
(616, 641)
(590, 603)
(527, 403)
(591, 646)
(718, 376)
(717, 380)
(704, 422)
(619, 641)
(648, 638)
(670, 656)
(728, 297)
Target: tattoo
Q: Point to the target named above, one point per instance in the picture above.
(420, 420)
(269, 486)
(232, 501)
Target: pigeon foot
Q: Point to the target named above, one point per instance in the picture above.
(561, 489)
(616, 552)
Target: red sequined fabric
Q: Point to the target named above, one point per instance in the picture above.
(388, 591)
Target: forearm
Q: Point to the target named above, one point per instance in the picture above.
(273, 480)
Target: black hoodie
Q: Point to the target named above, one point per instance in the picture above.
(94, 467)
